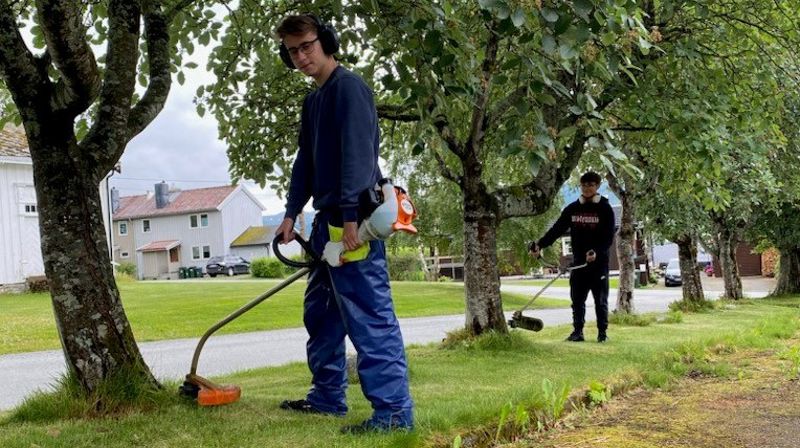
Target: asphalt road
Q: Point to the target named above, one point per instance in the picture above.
(22, 374)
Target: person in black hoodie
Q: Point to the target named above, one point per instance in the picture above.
(590, 221)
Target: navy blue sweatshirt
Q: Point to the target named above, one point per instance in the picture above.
(338, 147)
(591, 227)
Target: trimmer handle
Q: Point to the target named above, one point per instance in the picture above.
(293, 263)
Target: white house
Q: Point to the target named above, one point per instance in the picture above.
(162, 231)
(20, 246)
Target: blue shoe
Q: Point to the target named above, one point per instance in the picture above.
(375, 424)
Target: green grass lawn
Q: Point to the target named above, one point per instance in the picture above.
(562, 282)
(168, 310)
(456, 390)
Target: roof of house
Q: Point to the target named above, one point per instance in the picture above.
(159, 246)
(181, 202)
(13, 142)
(255, 236)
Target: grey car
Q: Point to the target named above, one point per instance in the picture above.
(229, 265)
(672, 275)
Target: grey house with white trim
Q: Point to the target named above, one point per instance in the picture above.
(162, 231)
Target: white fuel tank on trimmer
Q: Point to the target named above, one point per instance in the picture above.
(396, 213)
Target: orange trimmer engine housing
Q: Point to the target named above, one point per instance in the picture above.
(406, 212)
(209, 393)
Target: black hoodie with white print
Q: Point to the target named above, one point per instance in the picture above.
(591, 226)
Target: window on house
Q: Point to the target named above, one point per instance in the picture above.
(201, 252)
(566, 246)
(30, 209)
(123, 228)
(124, 255)
(145, 225)
(196, 221)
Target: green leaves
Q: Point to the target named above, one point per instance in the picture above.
(549, 14)
(518, 18)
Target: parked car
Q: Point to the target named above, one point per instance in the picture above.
(672, 274)
(229, 264)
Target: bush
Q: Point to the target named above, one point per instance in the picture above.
(413, 276)
(405, 267)
(673, 317)
(289, 270)
(38, 283)
(692, 306)
(266, 267)
(631, 320)
(506, 266)
(127, 268)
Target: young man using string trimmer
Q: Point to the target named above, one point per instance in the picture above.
(336, 164)
(590, 221)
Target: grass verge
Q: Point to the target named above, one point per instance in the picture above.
(613, 282)
(469, 389)
(169, 310)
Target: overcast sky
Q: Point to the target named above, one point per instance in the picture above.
(182, 148)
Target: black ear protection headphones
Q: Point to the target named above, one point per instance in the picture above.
(327, 38)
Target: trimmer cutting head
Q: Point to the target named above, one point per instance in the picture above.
(208, 393)
(525, 322)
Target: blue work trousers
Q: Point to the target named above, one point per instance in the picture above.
(355, 300)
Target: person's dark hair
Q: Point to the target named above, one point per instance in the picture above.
(591, 176)
(295, 25)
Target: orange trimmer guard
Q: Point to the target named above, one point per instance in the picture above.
(213, 394)
(406, 212)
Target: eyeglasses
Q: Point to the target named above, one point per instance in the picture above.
(305, 47)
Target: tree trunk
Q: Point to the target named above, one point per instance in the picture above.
(425, 267)
(789, 272)
(690, 275)
(625, 255)
(728, 264)
(94, 330)
(484, 308)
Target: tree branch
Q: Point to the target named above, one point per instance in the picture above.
(394, 112)
(478, 123)
(504, 105)
(152, 102)
(614, 185)
(446, 134)
(447, 172)
(633, 128)
(110, 134)
(573, 155)
(68, 46)
(18, 67)
(536, 196)
(170, 14)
